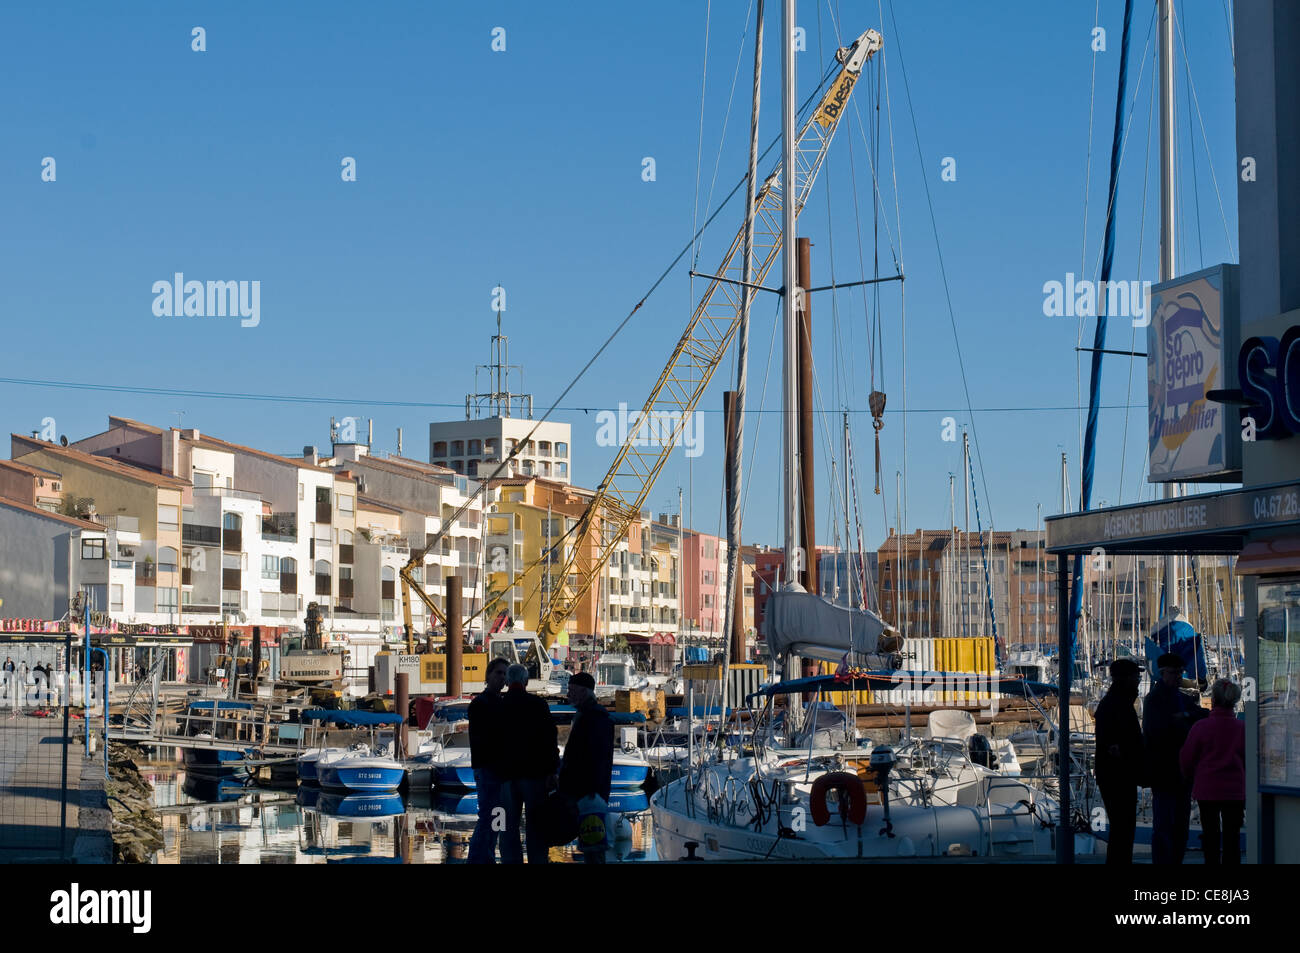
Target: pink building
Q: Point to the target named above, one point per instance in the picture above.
(703, 608)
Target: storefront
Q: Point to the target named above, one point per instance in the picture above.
(1261, 527)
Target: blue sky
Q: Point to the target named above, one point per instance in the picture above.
(523, 168)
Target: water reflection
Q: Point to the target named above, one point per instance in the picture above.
(208, 820)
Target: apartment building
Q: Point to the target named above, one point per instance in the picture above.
(937, 583)
(704, 584)
(471, 446)
(422, 498)
(142, 580)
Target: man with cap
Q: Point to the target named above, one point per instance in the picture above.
(589, 753)
(1119, 758)
(1167, 717)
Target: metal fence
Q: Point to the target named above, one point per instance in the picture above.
(37, 812)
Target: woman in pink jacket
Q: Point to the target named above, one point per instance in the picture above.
(1213, 759)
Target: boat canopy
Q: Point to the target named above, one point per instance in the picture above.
(353, 718)
(617, 717)
(219, 704)
(805, 624)
(885, 681)
(700, 711)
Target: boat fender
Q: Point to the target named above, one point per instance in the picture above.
(852, 797)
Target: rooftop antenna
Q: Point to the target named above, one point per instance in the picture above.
(499, 400)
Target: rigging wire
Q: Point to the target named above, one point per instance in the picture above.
(1146, 176)
(1200, 118)
(943, 274)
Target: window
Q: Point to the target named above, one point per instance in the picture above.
(1279, 658)
(300, 491)
(115, 597)
(202, 479)
(544, 468)
(345, 505)
(562, 470)
(528, 467)
(228, 561)
(561, 449)
(490, 447)
(475, 447)
(322, 495)
(270, 567)
(708, 601)
(440, 448)
(458, 466)
(92, 549)
(168, 516)
(345, 537)
(458, 448)
(167, 599)
(232, 521)
(166, 559)
(544, 447)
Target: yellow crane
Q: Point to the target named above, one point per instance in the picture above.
(620, 496)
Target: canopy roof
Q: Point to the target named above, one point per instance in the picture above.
(353, 718)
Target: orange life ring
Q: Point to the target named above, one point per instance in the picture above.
(848, 786)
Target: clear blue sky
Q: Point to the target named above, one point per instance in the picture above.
(524, 168)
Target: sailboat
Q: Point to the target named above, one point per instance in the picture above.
(806, 787)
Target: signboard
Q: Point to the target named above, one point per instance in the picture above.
(1231, 514)
(1194, 324)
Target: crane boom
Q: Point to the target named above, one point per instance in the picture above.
(675, 395)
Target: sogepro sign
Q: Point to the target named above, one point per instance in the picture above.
(1268, 370)
(1193, 323)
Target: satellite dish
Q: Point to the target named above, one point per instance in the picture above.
(64, 440)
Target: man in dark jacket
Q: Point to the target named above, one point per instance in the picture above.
(487, 757)
(589, 752)
(1119, 758)
(1167, 717)
(531, 758)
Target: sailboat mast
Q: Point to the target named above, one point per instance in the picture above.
(1166, 45)
(848, 574)
(965, 559)
(789, 261)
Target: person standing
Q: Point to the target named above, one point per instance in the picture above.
(589, 752)
(487, 759)
(1213, 760)
(1167, 716)
(1119, 758)
(531, 758)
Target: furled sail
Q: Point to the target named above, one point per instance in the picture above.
(805, 624)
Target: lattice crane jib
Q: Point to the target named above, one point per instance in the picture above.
(621, 496)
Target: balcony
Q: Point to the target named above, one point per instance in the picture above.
(227, 493)
(146, 574)
(198, 533)
(280, 528)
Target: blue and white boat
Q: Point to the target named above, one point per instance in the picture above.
(358, 769)
(312, 753)
(360, 805)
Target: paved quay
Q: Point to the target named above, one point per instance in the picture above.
(34, 827)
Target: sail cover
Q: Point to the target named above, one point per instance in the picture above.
(799, 622)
